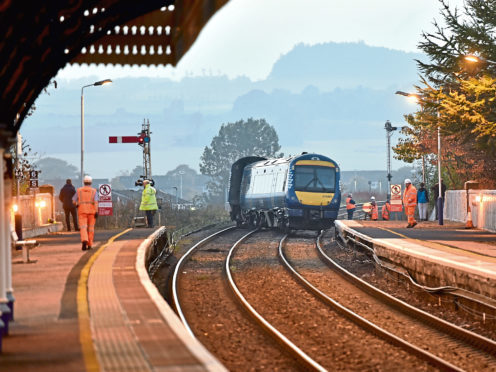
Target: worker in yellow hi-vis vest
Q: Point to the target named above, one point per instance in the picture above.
(148, 202)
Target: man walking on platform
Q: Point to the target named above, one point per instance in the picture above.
(350, 206)
(87, 202)
(410, 202)
(148, 202)
(66, 196)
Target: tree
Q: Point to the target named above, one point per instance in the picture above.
(53, 168)
(457, 97)
(234, 141)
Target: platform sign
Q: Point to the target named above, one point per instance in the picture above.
(396, 203)
(105, 200)
(33, 179)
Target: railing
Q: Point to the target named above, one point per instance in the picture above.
(360, 214)
(482, 205)
(36, 210)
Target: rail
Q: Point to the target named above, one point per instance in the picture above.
(364, 323)
(177, 271)
(484, 343)
(299, 354)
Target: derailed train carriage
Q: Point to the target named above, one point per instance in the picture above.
(300, 192)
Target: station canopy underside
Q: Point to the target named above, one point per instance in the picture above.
(38, 40)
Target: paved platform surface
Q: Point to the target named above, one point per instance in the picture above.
(450, 236)
(86, 310)
(450, 253)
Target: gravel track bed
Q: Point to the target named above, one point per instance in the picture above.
(302, 253)
(324, 335)
(440, 306)
(216, 318)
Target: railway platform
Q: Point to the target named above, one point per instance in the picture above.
(95, 310)
(433, 255)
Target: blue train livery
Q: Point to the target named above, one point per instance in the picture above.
(299, 192)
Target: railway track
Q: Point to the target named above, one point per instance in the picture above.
(318, 336)
(309, 328)
(209, 312)
(442, 344)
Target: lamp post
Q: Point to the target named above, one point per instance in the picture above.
(181, 172)
(415, 98)
(101, 82)
(475, 59)
(174, 187)
(440, 200)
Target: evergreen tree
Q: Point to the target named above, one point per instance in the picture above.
(236, 140)
(458, 97)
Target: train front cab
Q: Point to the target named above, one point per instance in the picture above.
(313, 193)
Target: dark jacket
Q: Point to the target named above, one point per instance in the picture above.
(66, 194)
(435, 189)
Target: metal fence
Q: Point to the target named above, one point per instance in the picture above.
(36, 210)
(482, 204)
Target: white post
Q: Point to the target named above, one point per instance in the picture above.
(440, 200)
(82, 135)
(4, 309)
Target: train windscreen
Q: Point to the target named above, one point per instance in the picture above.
(315, 179)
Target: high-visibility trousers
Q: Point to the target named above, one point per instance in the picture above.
(87, 227)
(410, 213)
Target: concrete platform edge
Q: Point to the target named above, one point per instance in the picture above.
(196, 348)
(430, 271)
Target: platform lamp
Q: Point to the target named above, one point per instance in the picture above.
(101, 82)
(440, 201)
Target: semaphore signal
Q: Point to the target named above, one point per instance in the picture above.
(142, 139)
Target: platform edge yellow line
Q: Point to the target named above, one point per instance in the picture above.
(85, 338)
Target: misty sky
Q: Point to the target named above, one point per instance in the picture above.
(247, 36)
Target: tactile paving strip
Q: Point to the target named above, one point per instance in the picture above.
(116, 345)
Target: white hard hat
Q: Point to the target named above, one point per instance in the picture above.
(350, 195)
(372, 197)
(87, 179)
(408, 180)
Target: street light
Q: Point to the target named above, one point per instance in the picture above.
(416, 99)
(181, 172)
(174, 187)
(101, 82)
(475, 59)
(440, 197)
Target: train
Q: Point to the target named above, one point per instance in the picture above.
(295, 193)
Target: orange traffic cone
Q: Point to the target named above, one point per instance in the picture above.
(469, 224)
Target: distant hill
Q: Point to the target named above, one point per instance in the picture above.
(329, 98)
(331, 65)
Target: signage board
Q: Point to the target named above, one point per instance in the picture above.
(105, 200)
(396, 203)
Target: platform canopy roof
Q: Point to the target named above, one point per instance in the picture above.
(40, 38)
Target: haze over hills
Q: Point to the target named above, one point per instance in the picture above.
(329, 98)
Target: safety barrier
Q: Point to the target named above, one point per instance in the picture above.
(482, 204)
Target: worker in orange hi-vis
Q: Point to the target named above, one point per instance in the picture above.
(374, 213)
(410, 202)
(87, 203)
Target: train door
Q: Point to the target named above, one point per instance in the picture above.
(274, 174)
